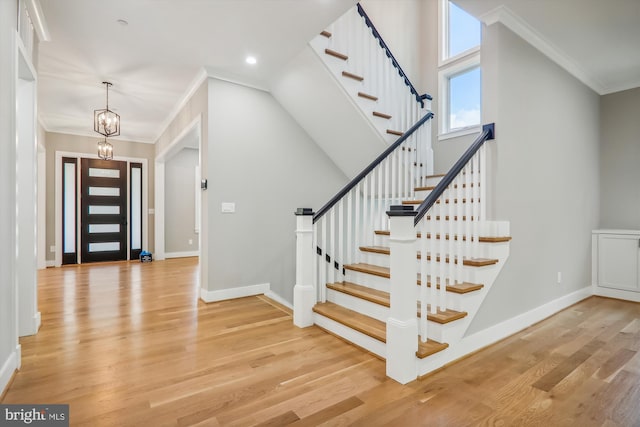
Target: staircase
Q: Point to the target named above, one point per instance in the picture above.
(399, 261)
(357, 307)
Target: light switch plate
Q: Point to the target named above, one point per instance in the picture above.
(228, 207)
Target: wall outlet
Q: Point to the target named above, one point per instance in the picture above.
(191, 241)
(52, 248)
(228, 207)
(559, 277)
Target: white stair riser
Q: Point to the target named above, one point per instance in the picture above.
(351, 335)
(437, 331)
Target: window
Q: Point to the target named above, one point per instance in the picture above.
(462, 31)
(459, 72)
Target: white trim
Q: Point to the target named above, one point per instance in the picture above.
(200, 77)
(37, 20)
(460, 132)
(277, 298)
(509, 19)
(231, 293)
(184, 254)
(216, 74)
(58, 199)
(616, 293)
(159, 179)
(10, 365)
(493, 334)
(51, 263)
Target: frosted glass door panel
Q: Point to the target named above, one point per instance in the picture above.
(103, 247)
(104, 210)
(104, 228)
(104, 191)
(104, 173)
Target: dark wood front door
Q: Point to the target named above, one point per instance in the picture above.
(103, 210)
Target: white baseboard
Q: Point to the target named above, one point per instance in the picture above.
(502, 330)
(34, 326)
(616, 293)
(10, 365)
(50, 263)
(231, 293)
(168, 255)
(277, 298)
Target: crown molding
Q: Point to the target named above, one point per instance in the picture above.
(37, 20)
(519, 26)
(195, 84)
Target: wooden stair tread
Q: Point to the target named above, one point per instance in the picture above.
(395, 132)
(472, 262)
(362, 267)
(428, 348)
(371, 327)
(429, 188)
(352, 76)
(376, 270)
(362, 292)
(367, 96)
(382, 115)
(458, 288)
(482, 239)
(326, 33)
(382, 298)
(447, 201)
(336, 54)
(356, 321)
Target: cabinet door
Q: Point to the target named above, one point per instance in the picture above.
(618, 261)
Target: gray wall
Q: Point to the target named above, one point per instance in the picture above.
(546, 174)
(86, 144)
(620, 159)
(179, 187)
(260, 159)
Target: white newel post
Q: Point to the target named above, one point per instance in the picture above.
(402, 324)
(304, 295)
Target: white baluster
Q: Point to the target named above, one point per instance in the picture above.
(349, 237)
(341, 240)
(332, 246)
(357, 223)
(323, 256)
(423, 279)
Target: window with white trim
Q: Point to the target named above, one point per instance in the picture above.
(459, 72)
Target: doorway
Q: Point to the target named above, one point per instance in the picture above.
(103, 217)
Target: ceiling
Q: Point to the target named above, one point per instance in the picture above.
(167, 44)
(154, 59)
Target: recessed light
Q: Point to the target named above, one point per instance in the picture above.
(251, 60)
(122, 22)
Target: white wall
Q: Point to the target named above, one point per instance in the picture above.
(620, 159)
(260, 159)
(546, 170)
(179, 187)
(9, 347)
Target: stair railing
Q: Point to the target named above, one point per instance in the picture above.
(451, 213)
(369, 56)
(349, 219)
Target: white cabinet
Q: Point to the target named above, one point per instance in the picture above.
(616, 263)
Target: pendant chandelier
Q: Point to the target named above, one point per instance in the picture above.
(105, 150)
(106, 123)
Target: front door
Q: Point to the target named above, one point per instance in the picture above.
(103, 210)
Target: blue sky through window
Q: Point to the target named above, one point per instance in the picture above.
(464, 31)
(464, 95)
(464, 87)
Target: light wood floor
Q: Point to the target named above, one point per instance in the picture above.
(130, 344)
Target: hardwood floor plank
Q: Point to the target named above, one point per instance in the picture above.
(130, 344)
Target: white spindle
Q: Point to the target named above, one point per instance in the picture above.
(322, 261)
(341, 239)
(316, 280)
(357, 223)
(349, 238)
(331, 276)
(423, 280)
